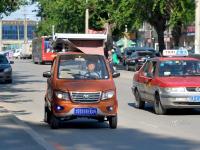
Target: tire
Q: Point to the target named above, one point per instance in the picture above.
(54, 122)
(158, 108)
(113, 122)
(127, 67)
(47, 115)
(9, 81)
(138, 102)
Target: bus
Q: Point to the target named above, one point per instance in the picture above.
(42, 50)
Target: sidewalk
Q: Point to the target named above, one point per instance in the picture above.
(15, 135)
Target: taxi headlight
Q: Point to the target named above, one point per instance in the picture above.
(180, 89)
(8, 70)
(107, 95)
(62, 95)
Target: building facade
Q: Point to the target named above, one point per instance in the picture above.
(15, 33)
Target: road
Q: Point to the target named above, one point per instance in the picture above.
(137, 129)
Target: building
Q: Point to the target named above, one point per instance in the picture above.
(16, 33)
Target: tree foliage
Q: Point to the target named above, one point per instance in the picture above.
(69, 15)
(8, 6)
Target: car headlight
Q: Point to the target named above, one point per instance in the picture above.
(8, 70)
(62, 95)
(179, 89)
(107, 95)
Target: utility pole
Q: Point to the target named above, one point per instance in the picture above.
(86, 18)
(197, 28)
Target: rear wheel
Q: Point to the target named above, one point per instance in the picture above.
(158, 108)
(138, 102)
(113, 122)
(127, 67)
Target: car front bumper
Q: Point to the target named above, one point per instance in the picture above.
(181, 100)
(5, 76)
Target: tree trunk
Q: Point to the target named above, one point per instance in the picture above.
(176, 34)
(160, 33)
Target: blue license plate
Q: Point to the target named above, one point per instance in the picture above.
(195, 98)
(85, 111)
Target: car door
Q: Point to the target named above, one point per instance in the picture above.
(142, 80)
(150, 81)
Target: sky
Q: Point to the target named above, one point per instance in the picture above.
(19, 14)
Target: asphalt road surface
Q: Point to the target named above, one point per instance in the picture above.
(137, 129)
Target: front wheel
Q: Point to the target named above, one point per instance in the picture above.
(158, 108)
(113, 122)
(54, 122)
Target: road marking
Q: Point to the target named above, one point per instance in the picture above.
(33, 134)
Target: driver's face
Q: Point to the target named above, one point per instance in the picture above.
(91, 67)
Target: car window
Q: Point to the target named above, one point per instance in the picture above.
(179, 68)
(149, 69)
(3, 60)
(80, 66)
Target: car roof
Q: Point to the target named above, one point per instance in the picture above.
(174, 58)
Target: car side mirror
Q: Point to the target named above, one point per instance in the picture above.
(115, 74)
(47, 74)
(11, 62)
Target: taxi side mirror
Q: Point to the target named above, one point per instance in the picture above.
(47, 74)
(115, 74)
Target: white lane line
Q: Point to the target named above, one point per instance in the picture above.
(33, 134)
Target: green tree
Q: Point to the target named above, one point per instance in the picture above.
(8, 6)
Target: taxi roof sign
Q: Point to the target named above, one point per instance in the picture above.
(176, 53)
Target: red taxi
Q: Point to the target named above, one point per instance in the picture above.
(168, 82)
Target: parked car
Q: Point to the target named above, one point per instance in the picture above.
(5, 69)
(80, 85)
(137, 59)
(129, 50)
(17, 53)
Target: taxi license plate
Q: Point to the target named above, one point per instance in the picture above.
(85, 111)
(195, 99)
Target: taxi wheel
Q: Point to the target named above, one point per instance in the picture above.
(113, 122)
(127, 67)
(54, 122)
(138, 102)
(158, 108)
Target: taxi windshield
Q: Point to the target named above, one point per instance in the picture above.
(80, 66)
(179, 68)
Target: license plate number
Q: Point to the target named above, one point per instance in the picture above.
(85, 111)
(195, 98)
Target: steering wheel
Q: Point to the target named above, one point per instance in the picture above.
(92, 75)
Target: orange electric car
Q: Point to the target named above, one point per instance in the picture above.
(80, 85)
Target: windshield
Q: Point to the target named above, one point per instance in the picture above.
(3, 60)
(179, 68)
(48, 47)
(82, 66)
(146, 54)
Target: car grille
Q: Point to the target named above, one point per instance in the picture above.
(85, 97)
(193, 89)
(1, 70)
